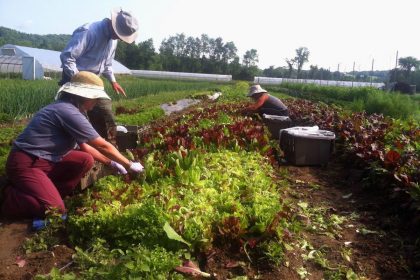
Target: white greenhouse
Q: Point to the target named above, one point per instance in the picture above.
(181, 75)
(33, 62)
(277, 81)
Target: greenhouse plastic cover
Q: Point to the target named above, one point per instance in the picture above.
(181, 75)
(277, 81)
(10, 64)
(50, 60)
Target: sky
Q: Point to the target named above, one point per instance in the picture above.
(337, 33)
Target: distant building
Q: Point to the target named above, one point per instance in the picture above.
(33, 62)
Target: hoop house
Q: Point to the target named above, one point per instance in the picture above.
(277, 81)
(33, 62)
(181, 75)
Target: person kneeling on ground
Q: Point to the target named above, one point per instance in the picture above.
(266, 103)
(44, 165)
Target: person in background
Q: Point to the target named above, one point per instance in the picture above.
(266, 103)
(92, 48)
(56, 149)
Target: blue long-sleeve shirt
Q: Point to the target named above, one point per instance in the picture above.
(91, 48)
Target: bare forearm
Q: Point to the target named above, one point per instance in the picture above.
(95, 153)
(253, 107)
(111, 152)
(108, 150)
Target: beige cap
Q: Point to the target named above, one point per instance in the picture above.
(256, 89)
(84, 84)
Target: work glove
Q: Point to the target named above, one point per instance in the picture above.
(118, 167)
(118, 89)
(136, 167)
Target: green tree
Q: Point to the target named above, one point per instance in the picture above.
(235, 67)
(120, 52)
(278, 72)
(313, 71)
(407, 64)
(250, 58)
(290, 64)
(146, 54)
(302, 56)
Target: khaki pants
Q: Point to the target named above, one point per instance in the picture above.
(102, 119)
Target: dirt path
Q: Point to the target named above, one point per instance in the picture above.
(15, 264)
(350, 226)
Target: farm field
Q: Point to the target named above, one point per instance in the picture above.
(218, 201)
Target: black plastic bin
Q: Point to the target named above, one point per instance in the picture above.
(128, 140)
(307, 145)
(276, 123)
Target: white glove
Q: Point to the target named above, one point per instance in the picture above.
(120, 169)
(136, 167)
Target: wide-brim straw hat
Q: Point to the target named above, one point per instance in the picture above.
(255, 89)
(84, 84)
(124, 25)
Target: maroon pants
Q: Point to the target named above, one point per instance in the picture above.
(39, 184)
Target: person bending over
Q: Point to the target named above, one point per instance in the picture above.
(266, 103)
(92, 48)
(56, 149)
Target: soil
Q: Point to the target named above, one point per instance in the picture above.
(15, 264)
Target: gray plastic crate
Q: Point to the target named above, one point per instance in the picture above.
(276, 123)
(307, 145)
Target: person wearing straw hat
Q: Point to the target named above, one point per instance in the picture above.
(266, 103)
(92, 48)
(56, 149)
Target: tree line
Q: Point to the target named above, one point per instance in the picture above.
(203, 54)
(180, 53)
(177, 53)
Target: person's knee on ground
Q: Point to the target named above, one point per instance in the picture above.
(18, 205)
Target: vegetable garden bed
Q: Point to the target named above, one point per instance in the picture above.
(214, 195)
